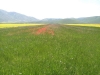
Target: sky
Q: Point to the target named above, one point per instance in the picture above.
(41, 9)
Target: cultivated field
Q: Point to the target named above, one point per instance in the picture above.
(89, 25)
(16, 25)
(50, 50)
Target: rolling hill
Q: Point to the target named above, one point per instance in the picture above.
(95, 19)
(60, 21)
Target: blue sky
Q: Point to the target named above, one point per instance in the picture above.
(53, 8)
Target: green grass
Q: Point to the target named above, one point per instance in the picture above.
(71, 51)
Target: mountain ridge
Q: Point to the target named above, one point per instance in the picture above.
(14, 17)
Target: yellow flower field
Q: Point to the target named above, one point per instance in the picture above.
(20, 25)
(16, 25)
(89, 25)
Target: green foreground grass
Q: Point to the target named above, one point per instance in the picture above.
(71, 51)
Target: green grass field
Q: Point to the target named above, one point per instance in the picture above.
(72, 50)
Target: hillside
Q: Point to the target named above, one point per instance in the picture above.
(95, 19)
(13, 17)
(59, 21)
(88, 20)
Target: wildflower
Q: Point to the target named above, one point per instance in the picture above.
(20, 73)
(60, 61)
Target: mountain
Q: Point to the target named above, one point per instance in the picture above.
(87, 20)
(13, 17)
(60, 21)
(95, 19)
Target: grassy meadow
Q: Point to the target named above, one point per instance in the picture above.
(72, 50)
